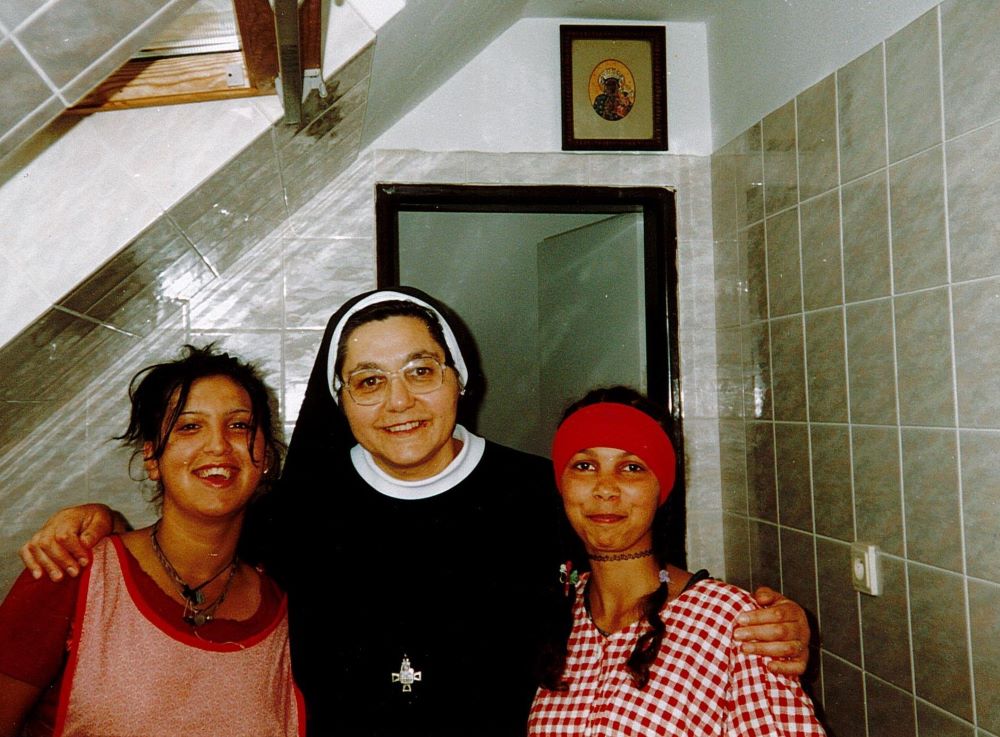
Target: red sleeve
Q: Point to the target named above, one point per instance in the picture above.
(35, 621)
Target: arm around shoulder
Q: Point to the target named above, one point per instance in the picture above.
(63, 543)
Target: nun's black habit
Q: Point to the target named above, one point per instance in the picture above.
(454, 582)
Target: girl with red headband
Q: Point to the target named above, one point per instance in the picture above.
(645, 648)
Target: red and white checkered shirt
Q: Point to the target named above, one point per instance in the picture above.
(701, 684)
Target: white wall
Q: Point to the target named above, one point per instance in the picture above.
(79, 192)
(507, 98)
(764, 52)
(85, 187)
(748, 58)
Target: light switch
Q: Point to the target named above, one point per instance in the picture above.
(865, 568)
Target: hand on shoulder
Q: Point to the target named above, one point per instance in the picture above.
(63, 544)
(778, 630)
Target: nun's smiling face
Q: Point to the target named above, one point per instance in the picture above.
(408, 434)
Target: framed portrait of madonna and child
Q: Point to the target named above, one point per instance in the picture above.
(614, 94)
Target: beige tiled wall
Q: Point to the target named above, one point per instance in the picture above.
(858, 312)
(231, 262)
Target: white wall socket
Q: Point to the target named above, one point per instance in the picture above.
(865, 569)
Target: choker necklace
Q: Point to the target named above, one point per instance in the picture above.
(621, 556)
(193, 596)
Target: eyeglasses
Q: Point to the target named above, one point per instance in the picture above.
(370, 386)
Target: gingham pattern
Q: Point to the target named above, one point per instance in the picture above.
(701, 684)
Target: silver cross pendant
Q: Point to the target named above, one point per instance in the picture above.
(406, 676)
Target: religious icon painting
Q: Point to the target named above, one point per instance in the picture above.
(613, 88)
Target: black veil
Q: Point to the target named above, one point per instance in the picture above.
(321, 431)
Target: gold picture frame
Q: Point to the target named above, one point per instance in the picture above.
(614, 93)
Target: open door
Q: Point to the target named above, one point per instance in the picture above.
(597, 338)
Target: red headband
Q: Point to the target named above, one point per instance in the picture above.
(613, 425)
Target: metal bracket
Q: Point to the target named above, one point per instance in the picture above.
(311, 83)
(312, 79)
(286, 23)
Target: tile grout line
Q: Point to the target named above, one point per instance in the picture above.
(895, 376)
(743, 403)
(53, 87)
(847, 373)
(36, 13)
(770, 353)
(954, 376)
(742, 418)
(805, 371)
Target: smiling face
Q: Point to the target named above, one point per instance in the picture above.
(610, 497)
(409, 435)
(206, 468)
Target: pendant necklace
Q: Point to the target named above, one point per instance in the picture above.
(406, 676)
(194, 613)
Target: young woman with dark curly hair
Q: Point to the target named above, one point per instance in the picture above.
(168, 629)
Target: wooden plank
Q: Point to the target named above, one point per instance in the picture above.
(168, 77)
(260, 45)
(179, 99)
(311, 34)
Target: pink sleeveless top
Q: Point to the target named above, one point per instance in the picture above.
(132, 673)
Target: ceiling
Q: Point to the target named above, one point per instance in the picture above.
(686, 11)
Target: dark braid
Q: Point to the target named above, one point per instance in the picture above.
(552, 660)
(648, 646)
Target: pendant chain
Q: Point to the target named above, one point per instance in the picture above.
(193, 597)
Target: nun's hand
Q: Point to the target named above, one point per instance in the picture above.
(779, 631)
(63, 544)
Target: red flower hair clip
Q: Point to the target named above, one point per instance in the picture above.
(568, 576)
